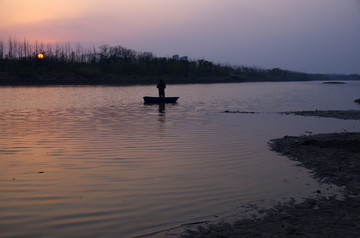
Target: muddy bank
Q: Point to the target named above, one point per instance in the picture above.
(312, 218)
(334, 158)
(339, 114)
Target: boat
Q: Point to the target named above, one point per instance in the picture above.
(157, 100)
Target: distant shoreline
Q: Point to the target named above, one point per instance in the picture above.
(111, 80)
(119, 66)
(115, 80)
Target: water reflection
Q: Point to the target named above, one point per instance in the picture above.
(162, 116)
(110, 163)
(161, 107)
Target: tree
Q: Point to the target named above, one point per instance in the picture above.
(1, 50)
(104, 53)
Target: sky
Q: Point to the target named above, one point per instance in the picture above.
(313, 36)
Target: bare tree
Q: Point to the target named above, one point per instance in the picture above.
(10, 49)
(1, 50)
(80, 56)
(20, 50)
(67, 51)
(25, 48)
(49, 51)
(92, 55)
(36, 47)
(146, 56)
(104, 53)
(57, 51)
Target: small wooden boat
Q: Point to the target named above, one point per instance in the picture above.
(156, 100)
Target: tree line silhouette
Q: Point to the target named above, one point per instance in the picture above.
(67, 63)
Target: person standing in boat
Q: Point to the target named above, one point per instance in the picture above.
(161, 86)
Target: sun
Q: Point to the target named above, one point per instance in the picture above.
(40, 56)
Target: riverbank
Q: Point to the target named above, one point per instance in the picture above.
(67, 79)
(70, 79)
(334, 158)
(97, 79)
(339, 114)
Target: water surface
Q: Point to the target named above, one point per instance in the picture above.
(97, 162)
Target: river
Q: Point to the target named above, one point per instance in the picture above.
(98, 162)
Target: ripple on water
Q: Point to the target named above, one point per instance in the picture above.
(112, 165)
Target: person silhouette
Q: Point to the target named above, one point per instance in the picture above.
(161, 86)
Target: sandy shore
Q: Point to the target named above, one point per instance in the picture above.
(334, 158)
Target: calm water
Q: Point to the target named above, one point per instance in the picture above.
(97, 162)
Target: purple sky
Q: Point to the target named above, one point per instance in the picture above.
(315, 36)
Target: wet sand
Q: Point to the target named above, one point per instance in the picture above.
(334, 158)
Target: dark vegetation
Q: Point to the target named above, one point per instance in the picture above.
(68, 64)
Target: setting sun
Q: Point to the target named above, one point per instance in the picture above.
(40, 56)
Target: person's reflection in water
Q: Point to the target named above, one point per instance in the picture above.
(161, 113)
(161, 107)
